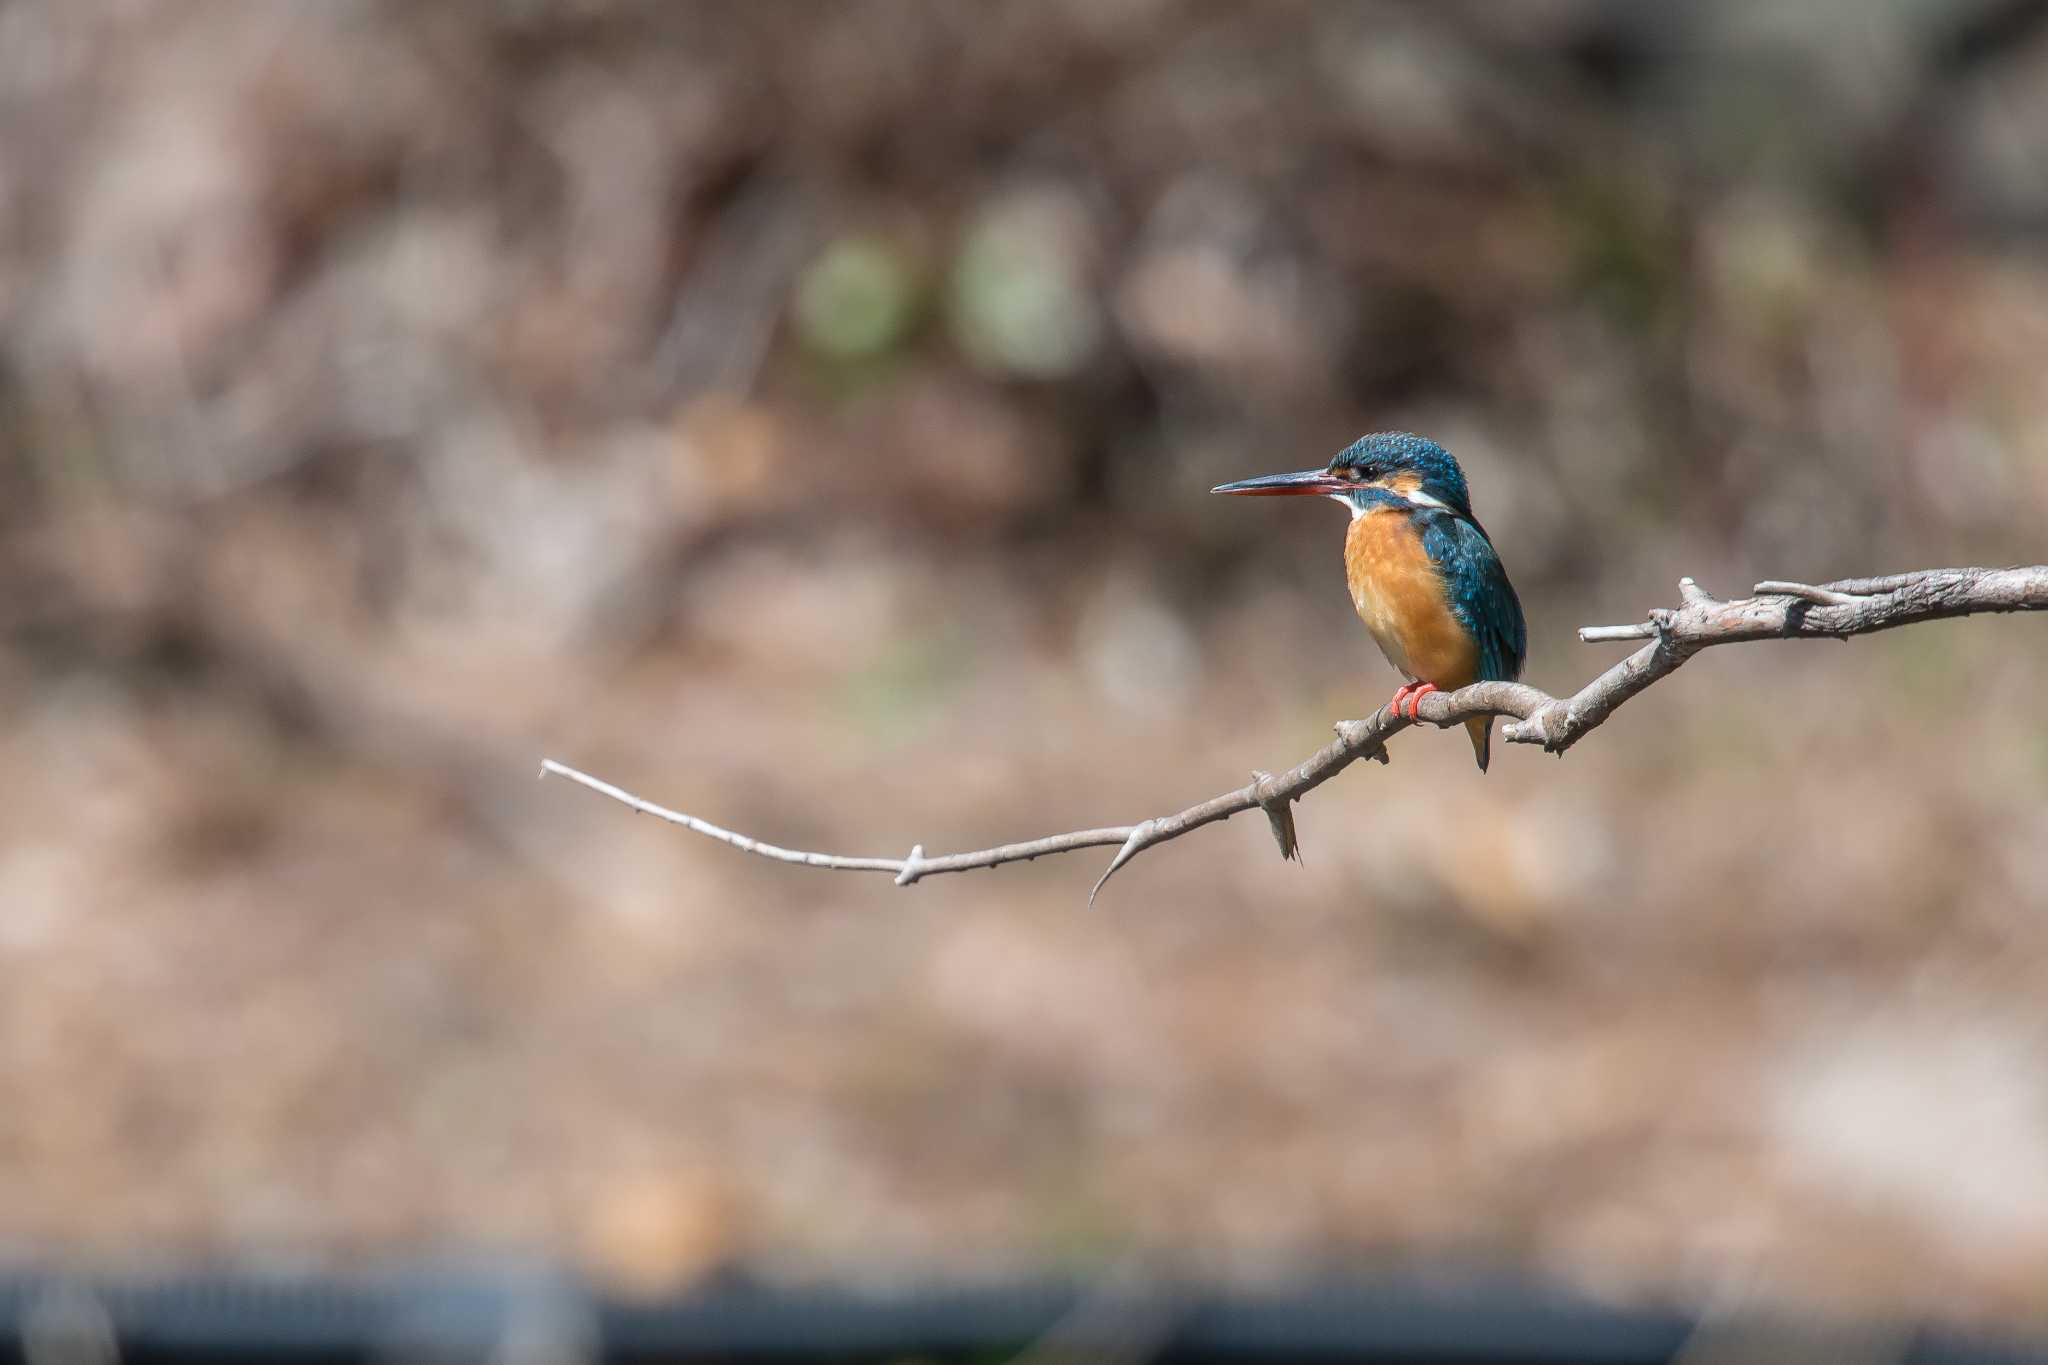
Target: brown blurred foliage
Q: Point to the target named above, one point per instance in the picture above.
(802, 413)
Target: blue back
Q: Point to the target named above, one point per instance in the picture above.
(1478, 587)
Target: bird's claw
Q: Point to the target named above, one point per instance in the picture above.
(1410, 695)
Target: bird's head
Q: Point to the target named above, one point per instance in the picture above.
(1379, 468)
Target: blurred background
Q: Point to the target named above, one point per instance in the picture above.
(802, 415)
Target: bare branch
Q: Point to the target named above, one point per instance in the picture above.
(1870, 587)
(1779, 611)
(1805, 592)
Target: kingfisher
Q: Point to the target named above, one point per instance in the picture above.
(1423, 575)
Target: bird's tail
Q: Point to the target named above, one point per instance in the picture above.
(1481, 730)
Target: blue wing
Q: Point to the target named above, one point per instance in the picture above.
(1479, 590)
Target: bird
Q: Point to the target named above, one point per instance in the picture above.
(1422, 572)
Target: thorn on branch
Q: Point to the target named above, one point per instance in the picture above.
(1279, 814)
(913, 867)
(1141, 835)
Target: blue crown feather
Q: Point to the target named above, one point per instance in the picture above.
(1403, 452)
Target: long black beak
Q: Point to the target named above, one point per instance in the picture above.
(1308, 481)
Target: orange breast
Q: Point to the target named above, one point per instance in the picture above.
(1401, 600)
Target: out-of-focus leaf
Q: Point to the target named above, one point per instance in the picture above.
(1018, 302)
(857, 300)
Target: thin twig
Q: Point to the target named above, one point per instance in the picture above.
(724, 836)
(1780, 611)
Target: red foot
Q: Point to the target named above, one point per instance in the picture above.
(1411, 695)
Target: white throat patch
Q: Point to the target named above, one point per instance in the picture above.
(1418, 498)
